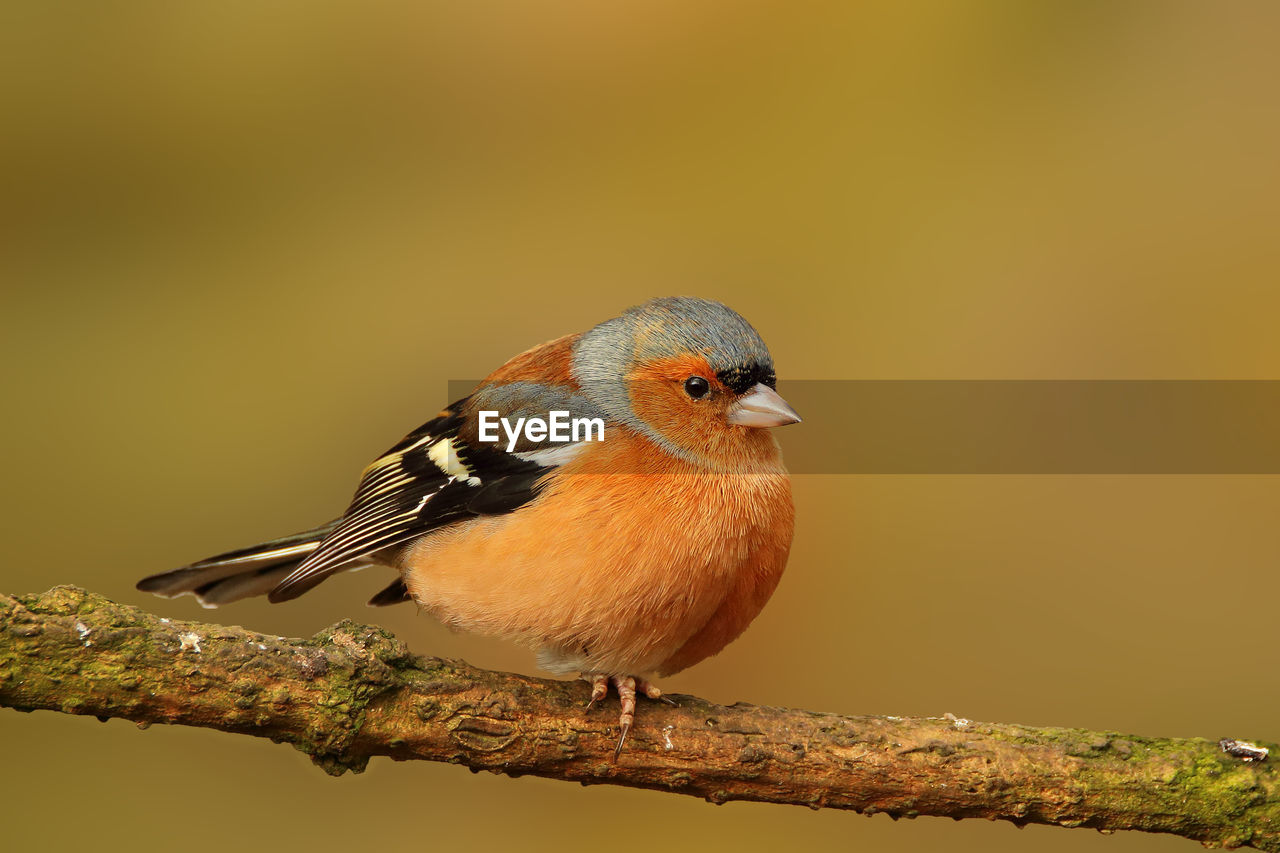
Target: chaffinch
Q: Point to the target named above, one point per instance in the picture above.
(634, 522)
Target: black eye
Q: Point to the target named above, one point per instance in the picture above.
(696, 387)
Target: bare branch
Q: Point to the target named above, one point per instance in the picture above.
(353, 691)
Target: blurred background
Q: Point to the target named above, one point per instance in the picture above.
(245, 246)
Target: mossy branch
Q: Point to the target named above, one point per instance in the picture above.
(353, 691)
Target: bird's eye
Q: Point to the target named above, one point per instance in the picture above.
(696, 387)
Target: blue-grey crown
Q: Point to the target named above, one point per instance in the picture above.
(662, 328)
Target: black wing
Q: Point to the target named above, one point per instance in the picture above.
(432, 477)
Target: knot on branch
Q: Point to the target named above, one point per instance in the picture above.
(354, 664)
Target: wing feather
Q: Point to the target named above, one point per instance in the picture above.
(441, 473)
(433, 476)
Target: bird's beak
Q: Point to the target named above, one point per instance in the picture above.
(762, 407)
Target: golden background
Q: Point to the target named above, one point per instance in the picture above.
(244, 247)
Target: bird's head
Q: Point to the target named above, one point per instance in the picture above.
(691, 374)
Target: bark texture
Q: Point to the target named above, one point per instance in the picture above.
(354, 691)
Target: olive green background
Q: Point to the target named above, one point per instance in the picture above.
(245, 246)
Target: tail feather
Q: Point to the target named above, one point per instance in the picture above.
(238, 574)
(246, 585)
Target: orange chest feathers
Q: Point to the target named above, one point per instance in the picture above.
(628, 561)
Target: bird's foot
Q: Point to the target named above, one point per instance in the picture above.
(627, 687)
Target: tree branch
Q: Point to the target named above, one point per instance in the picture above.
(353, 691)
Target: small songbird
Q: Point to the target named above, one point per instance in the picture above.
(612, 499)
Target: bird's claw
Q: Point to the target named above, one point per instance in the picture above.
(648, 688)
(599, 689)
(627, 687)
(622, 738)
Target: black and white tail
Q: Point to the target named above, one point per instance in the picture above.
(238, 574)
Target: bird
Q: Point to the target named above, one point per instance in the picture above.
(630, 548)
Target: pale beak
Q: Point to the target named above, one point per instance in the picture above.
(762, 407)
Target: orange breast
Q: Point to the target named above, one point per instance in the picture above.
(629, 562)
